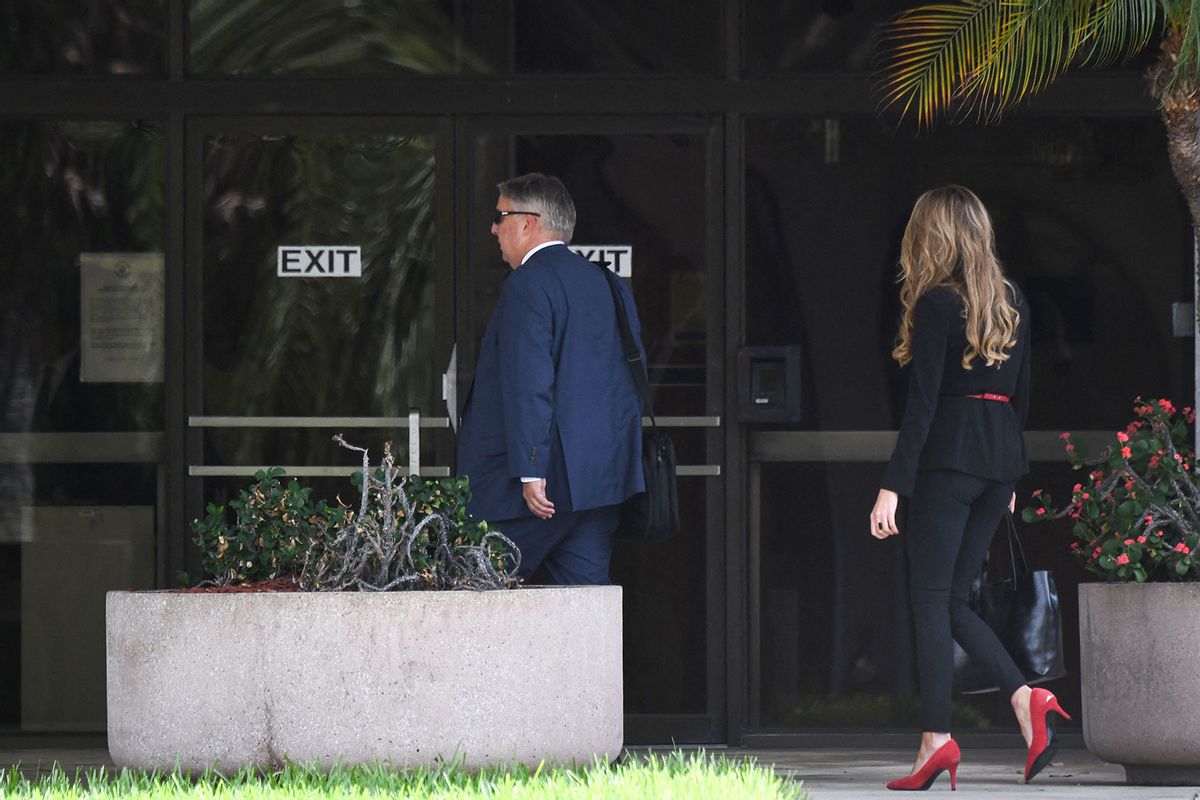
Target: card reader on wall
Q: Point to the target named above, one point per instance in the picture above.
(768, 384)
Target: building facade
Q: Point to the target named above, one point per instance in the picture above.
(165, 164)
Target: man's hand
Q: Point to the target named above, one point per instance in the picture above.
(535, 498)
(883, 515)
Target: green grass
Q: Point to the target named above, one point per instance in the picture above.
(672, 777)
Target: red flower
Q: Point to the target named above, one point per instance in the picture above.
(1036, 493)
(1126, 452)
(1070, 448)
(1064, 436)
(1122, 559)
(1149, 519)
(1085, 496)
(1142, 539)
(1128, 542)
(1166, 406)
(1078, 486)
(1096, 553)
(1122, 436)
(1182, 548)
(1041, 511)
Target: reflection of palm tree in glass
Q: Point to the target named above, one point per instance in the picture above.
(313, 346)
(267, 36)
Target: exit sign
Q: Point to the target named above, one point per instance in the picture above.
(319, 261)
(618, 256)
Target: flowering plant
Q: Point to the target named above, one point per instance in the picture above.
(1137, 515)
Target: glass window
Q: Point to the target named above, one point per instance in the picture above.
(1089, 222)
(119, 37)
(317, 346)
(787, 37)
(81, 403)
(440, 37)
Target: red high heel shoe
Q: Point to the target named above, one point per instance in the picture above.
(945, 757)
(1042, 708)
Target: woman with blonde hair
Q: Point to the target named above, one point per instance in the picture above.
(964, 335)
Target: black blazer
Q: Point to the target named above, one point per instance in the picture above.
(944, 429)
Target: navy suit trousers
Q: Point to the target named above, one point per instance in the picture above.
(575, 547)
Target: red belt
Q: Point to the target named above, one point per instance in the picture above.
(997, 398)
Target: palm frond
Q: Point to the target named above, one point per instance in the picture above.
(932, 49)
(983, 56)
(1119, 29)
(1037, 41)
(1184, 21)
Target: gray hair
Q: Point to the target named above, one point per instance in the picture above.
(546, 195)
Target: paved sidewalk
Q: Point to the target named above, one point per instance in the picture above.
(852, 773)
(860, 774)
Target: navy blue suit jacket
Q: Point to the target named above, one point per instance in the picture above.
(553, 397)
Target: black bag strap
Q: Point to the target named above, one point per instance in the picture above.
(1016, 552)
(633, 355)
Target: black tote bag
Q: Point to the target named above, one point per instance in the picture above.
(1024, 612)
(652, 515)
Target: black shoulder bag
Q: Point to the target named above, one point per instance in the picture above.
(652, 515)
(1023, 610)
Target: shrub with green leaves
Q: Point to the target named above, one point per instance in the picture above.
(1136, 516)
(273, 527)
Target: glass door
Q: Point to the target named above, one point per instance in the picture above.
(319, 299)
(648, 200)
(81, 403)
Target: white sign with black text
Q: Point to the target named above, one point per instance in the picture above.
(121, 317)
(618, 256)
(319, 261)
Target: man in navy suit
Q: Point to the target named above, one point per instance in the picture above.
(551, 432)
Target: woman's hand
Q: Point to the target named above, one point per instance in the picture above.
(883, 515)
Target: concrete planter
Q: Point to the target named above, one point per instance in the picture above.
(407, 678)
(1140, 670)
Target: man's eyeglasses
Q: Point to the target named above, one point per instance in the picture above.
(499, 216)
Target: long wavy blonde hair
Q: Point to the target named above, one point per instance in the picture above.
(949, 242)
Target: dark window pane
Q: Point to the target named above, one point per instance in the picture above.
(1088, 220)
(1089, 223)
(81, 403)
(790, 36)
(442, 37)
(619, 37)
(857, 667)
(311, 345)
(99, 37)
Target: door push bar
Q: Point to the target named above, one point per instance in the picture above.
(414, 422)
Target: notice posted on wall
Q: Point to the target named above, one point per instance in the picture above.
(121, 307)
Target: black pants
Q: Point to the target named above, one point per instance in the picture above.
(952, 518)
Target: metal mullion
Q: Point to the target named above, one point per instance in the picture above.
(738, 567)
(302, 124)
(716, 580)
(1083, 94)
(193, 324)
(172, 511)
(177, 40)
